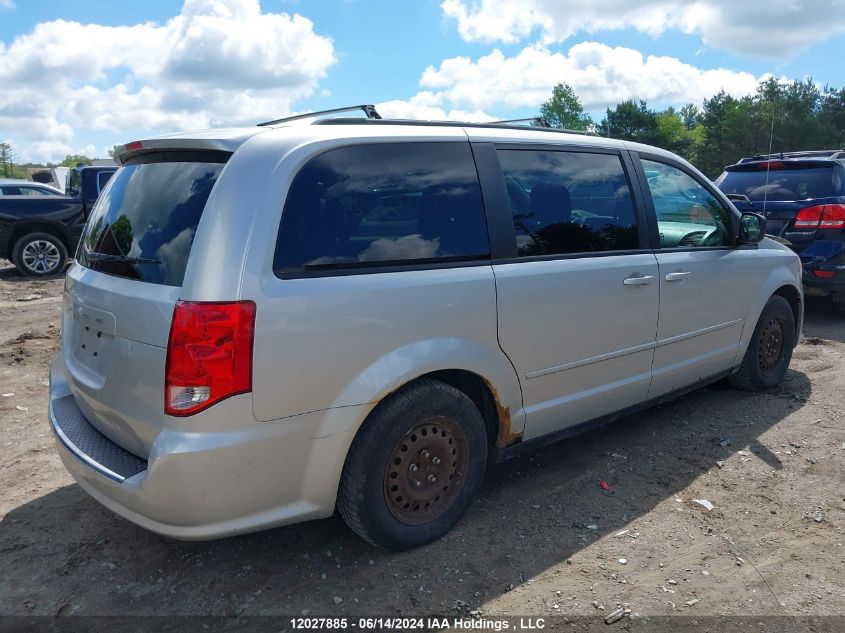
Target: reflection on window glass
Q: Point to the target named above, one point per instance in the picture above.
(687, 214)
(383, 203)
(781, 184)
(148, 212)
(568, 202)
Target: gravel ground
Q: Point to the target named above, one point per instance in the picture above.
(543, 538)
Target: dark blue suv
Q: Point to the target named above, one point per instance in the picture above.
(802, 195)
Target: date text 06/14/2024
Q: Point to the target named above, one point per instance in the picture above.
(408, 624)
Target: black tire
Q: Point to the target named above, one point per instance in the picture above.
(39, 255)
(420, 425)
(770, 349)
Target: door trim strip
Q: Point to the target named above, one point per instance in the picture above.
(631, 350)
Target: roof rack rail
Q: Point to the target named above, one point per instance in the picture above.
(816, 153)
(536, 121)
(367, 109)
(543, 122)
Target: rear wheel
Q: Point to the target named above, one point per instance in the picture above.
(39, 255)
(414, 466)
(770, 349)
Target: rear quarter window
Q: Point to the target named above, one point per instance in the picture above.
(143, 224)
(384, 204)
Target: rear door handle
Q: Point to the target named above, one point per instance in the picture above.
(678, 276)
(638, 280)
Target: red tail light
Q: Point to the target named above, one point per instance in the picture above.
(209, 354)
(824, 274)
(770, 164)
(822, 216)
(833, 217)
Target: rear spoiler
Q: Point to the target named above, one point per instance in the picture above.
(781, 164)
(122, 153)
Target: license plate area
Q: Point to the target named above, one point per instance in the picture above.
(93, 333)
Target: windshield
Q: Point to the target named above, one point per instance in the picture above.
(144, 222)
(791, 184)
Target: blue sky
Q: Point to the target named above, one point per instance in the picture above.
(83, 76)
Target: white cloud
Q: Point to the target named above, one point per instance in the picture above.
(601, 76)
(429, 106)
(773, 28)
(219, 62)
(7, 4)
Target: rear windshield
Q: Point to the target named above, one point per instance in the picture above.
(144, 222)
(792, 184)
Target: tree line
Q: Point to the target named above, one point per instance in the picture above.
(783, 116)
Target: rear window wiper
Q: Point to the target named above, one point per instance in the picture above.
(94, 256)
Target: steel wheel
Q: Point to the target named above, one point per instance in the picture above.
(770, 349)
(426, 470)
(40, 257)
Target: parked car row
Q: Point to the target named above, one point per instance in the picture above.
(362, 314)
(39, 225)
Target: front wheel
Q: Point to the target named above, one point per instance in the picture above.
(414, 467)
(770, 349)
(39, 255)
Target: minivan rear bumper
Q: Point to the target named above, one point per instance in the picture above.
(196, 485)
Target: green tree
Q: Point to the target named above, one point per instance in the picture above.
(630, 121)
(564, 109)
(8, 168)
(671, 133)
(717, 120)
(690, 116)
(72, 160)
(831, 117)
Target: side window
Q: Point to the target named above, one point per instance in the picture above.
(569, 202)
(687, 214)
(33, 191)
(383, 204)
(74, 183)
(103, 179)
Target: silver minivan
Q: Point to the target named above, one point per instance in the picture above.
(265, 324)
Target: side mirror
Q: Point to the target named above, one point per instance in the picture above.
(752, 228)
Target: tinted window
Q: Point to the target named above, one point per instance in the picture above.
(74, 182)
(103, 178)
(37, 191)
(569, 202)
(11, 190)
(792, 184)
(687, 214)
(383, 204)
(149, 212)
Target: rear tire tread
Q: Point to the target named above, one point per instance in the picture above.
(352, 502)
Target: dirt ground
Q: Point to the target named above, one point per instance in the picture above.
(542, 539)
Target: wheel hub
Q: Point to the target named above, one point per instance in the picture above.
(40, 256)
(425, 471)
(771, 345)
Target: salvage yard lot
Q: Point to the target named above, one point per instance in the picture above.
(543, 538)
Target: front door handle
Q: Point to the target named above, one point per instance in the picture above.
(638, 280)
(678, 276)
